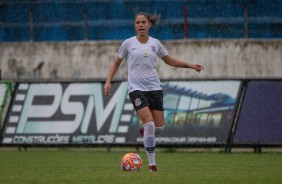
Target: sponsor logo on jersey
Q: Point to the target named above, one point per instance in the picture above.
(137, 102)
(153, 49)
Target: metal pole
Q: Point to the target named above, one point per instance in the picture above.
(30, 23)
(233, 128)
(85, 15)
(185, 29)
(246, 20)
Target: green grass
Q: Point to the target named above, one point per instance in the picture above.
(92, 166)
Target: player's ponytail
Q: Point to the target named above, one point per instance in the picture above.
(153, 19)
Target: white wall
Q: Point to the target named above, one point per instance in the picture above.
(91, 60)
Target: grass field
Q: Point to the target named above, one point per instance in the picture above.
(100, 166)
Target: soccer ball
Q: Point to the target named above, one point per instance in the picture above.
(131, 162)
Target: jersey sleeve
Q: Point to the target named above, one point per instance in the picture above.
(161, 52)
(123, 50)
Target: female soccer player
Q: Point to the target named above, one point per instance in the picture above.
(144, 86)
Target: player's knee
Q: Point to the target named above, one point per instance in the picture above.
(149, 128)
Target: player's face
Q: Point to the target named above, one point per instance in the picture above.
(142, 25)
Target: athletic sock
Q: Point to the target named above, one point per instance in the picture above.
(158, 130)
(149, 141)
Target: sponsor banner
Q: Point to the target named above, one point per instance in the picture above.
(260, 120)
(67, 113)
(79, 113)
(198, 112)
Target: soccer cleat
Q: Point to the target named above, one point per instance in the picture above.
(153, 168)
(141, 131)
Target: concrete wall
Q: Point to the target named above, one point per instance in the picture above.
(91, 60)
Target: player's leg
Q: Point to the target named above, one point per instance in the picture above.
(149, 135)
(145, 115)
(157, 110)
(141, 104)
(158, 117)
(155, 99)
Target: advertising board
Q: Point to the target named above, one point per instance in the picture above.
(260, 120)
(196, 112)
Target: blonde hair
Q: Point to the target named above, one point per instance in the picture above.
(151, 18)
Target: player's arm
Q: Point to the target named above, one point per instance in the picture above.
(181, 64)
(113, 70)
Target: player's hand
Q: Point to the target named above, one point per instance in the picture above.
(198, 67)
(107, 88)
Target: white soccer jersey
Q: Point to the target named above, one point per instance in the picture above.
(142, 63)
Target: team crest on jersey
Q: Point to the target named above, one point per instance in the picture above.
(137, 102)
(153, 48)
